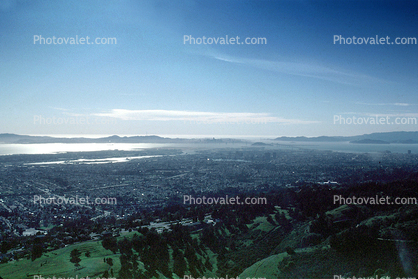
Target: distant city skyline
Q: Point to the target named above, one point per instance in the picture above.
(132, 68)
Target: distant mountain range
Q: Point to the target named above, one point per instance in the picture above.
(374, 138)
(23, 139)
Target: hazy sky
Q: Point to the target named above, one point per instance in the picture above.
(150, 82)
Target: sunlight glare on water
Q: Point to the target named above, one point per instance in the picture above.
(51, 148)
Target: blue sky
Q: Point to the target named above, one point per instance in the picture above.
(151, 82)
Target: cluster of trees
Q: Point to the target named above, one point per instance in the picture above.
(177, 252)
(153, 250)
(361, 239)
(75, 257)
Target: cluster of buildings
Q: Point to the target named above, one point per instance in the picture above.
(152, 182)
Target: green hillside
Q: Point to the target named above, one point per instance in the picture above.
(57, 263)
(266, 268)
(295, 241)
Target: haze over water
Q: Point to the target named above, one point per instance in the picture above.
(52, 148)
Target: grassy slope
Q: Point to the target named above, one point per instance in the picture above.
(57, 263)
(312, 262)
(266, 268)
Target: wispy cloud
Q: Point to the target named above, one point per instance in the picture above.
(385, 104)
(68, 112)
(61, 109)
(374, 114)
(299, 69)
(130, 94)
(414, 115)
(199, 117)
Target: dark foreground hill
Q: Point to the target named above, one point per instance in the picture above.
(301, 233)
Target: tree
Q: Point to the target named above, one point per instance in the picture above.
(37, 250)
(125, 246)
(75, 257)
(270, 220)
(290, 250)
(125, 271)
(208, 265)
(110, 243)
(180, 265)
(5, 246)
